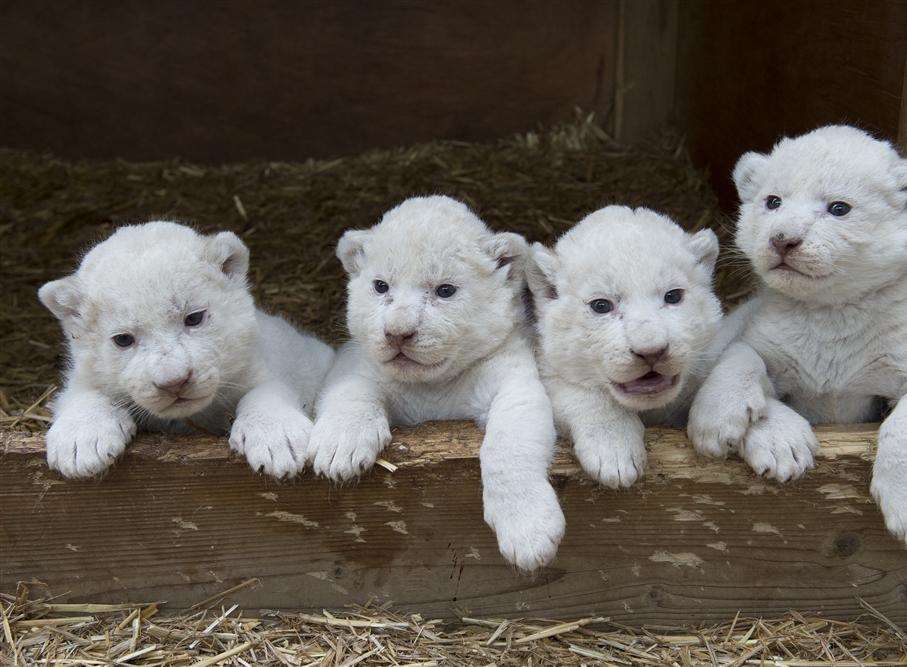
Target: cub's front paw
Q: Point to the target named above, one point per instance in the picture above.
(274, 443)
(616, 460)
(85, 444)
(345, 447)
(718, 421)
(528, 523)
(890, 493)
(781, 445)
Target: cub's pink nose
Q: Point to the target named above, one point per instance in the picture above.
(398, 339)
(174, 386)
(651, 355)
(784, 244)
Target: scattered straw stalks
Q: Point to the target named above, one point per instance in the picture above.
(45, 632)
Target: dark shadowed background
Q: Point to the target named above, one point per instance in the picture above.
(278, 80)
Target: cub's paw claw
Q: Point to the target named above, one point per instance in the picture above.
(344, 448)
(528, 523)
(781, 446)
(616, 461)
(87, 444)
(273, 443)
(717, 425)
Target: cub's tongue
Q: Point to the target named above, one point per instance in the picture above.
(650, 383)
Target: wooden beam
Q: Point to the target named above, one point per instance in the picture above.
(902, 123)
(179, 520)
(646, 68)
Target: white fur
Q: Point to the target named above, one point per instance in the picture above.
(143, 281)
(632, 258)
(469, 357)
(831, 337)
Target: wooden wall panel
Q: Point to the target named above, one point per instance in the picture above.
(220, 81)
(749, 72)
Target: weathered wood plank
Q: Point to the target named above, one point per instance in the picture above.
(177, 520)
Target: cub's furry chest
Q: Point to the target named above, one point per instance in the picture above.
(832, 362)
(412, 404)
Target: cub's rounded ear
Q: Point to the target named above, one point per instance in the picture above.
(351, 249)
(748, 174)
(229, 253)
(509, 251)
(541, 269)
(704, 245)
(63, 298)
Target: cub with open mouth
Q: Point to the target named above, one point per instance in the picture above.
(439, 331)
(163, 334)
(823, 221)
(626, 323)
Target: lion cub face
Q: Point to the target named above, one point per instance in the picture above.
(624, 301)
(823, 217)
(158, 316)
(431, 289)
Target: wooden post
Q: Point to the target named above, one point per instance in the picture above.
(902, 123)
(178, 520)
(646, 67)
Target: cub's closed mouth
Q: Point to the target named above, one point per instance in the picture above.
(784, 267)
(186, 400)
(402, 360)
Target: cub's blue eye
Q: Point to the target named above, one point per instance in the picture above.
(772, 202)
(123, 340)
(194, 319)
(381, 287)
(839, 208)
(445, 291)
(601, 306)
(674, 296)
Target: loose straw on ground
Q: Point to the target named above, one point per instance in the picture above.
(36, 631)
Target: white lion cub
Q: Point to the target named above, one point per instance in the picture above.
(823, 220)
(163, 332)
(439, 332)
(627, 322)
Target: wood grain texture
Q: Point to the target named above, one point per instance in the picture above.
(178, 520)
(751, 72)
(902, 123)
(243, 80)
(647, 67)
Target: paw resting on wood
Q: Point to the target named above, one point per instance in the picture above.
(274, 443)
(720, 417)
(342, 448)
(83, 444)
(616, 459)
(781, 445)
